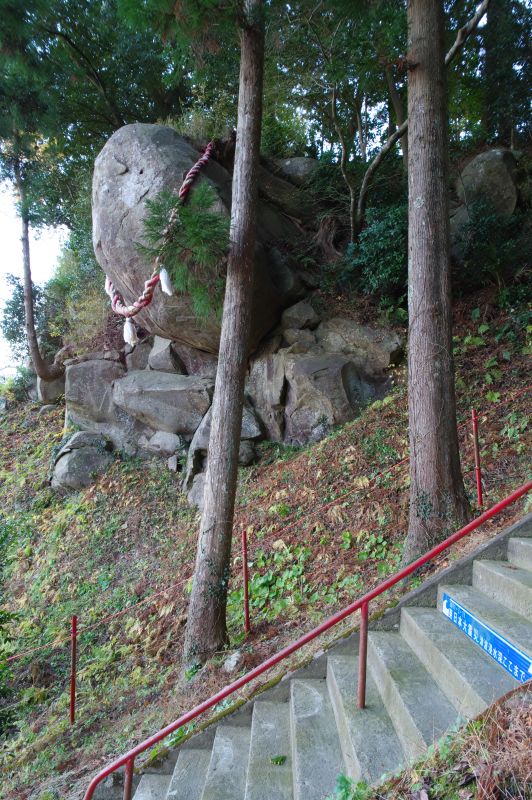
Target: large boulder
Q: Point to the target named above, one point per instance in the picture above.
(137, 163)
(50, 391)
(89, 389)
(163, 401)
(80, 460)
(324, 389)
(197, 452)
(324, 377)
(489, 179)
(298, 169)
(372, 350)
(90, 405)
(266, 387)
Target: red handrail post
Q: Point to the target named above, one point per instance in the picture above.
(362, 655)
(128, 778)
(478, 472)
(73, 665)
(245, 576)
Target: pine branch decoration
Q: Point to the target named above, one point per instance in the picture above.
(194, 252)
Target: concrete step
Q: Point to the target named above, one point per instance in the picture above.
(506, 583)
(269, 779)
(189, 775)
(152, 787)
(419, 710)
(520, 553)
(370, 745)
(226, 775)
(512, 627)
(316, 752)
(468, 676)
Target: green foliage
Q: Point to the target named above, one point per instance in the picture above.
(377, 448)
(194, 252)
(491, 246)
(78, 307)
(284, 133)
(16, 388)
(12, 320)
(279, 585)
(377, 263)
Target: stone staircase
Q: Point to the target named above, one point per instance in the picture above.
(429, 667)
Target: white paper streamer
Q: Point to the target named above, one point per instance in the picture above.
(166, 283)
(130, 333)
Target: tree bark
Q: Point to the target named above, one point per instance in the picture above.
(43, 370)
(206, 630)
(438, 504)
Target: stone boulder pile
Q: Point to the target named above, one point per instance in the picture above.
(154, 400)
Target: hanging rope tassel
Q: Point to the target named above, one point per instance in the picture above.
(160, 274)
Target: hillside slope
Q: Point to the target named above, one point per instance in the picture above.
(324, 523)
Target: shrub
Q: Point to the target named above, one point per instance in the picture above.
(490, 246)
(377, 263)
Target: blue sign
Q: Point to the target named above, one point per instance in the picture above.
(500, 649)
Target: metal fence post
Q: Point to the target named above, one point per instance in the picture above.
(478, 473)
(362, 655)
(73, 665)
(245, 576)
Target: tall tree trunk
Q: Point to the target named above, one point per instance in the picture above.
(206, 630)
(44, 371)
(438, 503)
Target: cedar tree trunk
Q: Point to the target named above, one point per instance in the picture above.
(438, 504)
(206, 630)
(45, 371)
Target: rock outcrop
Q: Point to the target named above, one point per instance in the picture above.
(308, 376)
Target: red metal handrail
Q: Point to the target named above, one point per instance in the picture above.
(128, 759)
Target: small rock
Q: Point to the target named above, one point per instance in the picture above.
(138, 357)
(173, 463)
(82, 458)
(231, 663)
(302, 315)
(164, 358)
(164, 443)
(197, 362)
(45, 410)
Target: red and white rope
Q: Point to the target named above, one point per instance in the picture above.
(117, 301)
